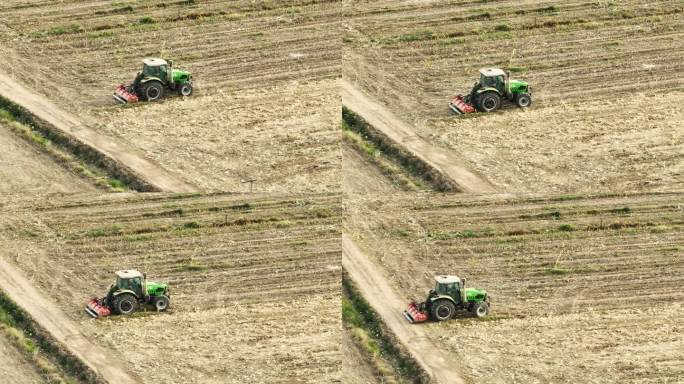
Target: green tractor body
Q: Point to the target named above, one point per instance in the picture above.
(448, 296)
(487, 95)
(157, 78)
(130, 292)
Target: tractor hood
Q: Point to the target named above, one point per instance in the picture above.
(518, 86)
(154, 288)
(180, 76)
(475, 295)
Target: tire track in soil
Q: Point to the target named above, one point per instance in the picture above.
(385, 302)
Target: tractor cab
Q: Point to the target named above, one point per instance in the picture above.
(131, 281)
(451, 286)
(158, 68)
(493, 78)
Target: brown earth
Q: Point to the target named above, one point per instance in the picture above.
(604, 78)
(255, 281)
(583, 288)
(265, 105)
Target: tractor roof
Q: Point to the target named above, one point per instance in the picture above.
(492, 72)
(447, 279)
(154, 62)
(128, 274)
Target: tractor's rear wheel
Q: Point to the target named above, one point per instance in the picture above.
(161, 303)
(185, 89)
(443, 310)
(152, 91)
(125, 304)
(488, 102)
(481, 309)
(524, 100)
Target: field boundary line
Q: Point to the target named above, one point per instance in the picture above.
(49, 317)
(375, 289)
(65, 129)
(447, 168)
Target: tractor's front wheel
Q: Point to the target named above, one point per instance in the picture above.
(481, 309)
(152, 91)
(488, 102)
(443, 310)
(125, 304)
(161, 303)
(523, 101)
(185, 89)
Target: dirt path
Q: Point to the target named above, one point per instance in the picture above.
(450, 165)
(54, 321)
(375, 289)
(72, 126)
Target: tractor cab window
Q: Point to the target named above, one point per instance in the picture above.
(492, 81)
(159, 71)
(133, 284)
(122, 283)
(446, 289)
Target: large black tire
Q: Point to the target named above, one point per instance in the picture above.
(524, 100)
(488, 101)
(152, 91)
(480, 309)
(125, 304)
(162, 303)
(443, 309)
(185, 89)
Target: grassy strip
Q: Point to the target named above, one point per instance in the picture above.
(393, 171)
(66, 159)
(384, 350)
(412, 164)
(43, 134)
(52, 359)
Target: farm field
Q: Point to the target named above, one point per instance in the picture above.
(584, 288)
(26, 171)
(255, 281)
(603, 76)
(265, 105)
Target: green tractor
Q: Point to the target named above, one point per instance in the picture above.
(449, 295)
(130, 292)
(495, 87)
(157, 78)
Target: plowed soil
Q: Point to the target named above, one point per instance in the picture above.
(584, 289)
(255, 282)
(265, 105)
(604, 79)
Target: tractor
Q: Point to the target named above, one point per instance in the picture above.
(495, 86)
(156, 78)
(130, 292)
(449, 295)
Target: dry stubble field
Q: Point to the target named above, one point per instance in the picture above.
(266, 105)
(604, 74)
(584, 289)
(255, 281)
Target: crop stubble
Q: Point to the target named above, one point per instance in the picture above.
(583, 288)
(604, 78)
(254, 282)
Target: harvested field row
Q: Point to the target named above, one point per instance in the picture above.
(257, 276)
(574, 271)
(603, 78)
(243, 44)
